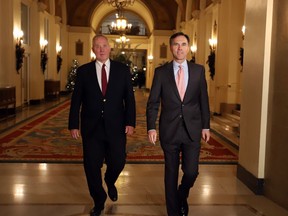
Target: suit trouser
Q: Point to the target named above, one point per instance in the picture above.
(98, 148)
(189, 150)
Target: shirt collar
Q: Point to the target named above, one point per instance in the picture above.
(176, 65)
(107, 63)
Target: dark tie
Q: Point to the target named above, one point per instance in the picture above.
(104, 80)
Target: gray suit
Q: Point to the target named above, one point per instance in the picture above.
(180, 126)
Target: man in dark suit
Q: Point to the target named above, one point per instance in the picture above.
(104, 92)
(184, 119)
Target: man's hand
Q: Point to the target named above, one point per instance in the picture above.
(75, 133)
(206, 135)
(152, 135)
(129, 130)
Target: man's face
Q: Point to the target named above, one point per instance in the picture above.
(179, 48)
(101, 49)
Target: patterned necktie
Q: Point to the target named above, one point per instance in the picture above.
(180, 82)
(104, 80)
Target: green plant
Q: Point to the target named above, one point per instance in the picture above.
(19, 55)
(59, 62)
(44, 59)
(211, 63)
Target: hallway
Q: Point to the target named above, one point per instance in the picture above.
(32, 189)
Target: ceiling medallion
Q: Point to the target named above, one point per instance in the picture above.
(119, 4)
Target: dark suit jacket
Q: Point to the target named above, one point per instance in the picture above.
(117, 107)
(194, 109)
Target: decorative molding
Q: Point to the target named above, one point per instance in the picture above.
(28, 2)
(216, 1)
(41, 7)
(36, 101)
(195, 14)
(58, 20)
(182, 25)
(80, 29)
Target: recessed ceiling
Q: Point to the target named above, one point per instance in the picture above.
(79, 12)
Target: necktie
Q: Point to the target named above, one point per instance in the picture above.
(104, 80)
(180, 82)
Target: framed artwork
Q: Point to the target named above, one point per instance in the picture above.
(79, 47)
(163, 50)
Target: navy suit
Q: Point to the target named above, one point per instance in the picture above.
(103, 120)
(180, 126)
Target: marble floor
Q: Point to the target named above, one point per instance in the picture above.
(33, 189)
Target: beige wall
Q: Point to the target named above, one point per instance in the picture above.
(276, 172)
(156, 40)
(252, 107)
(36, 77)
(9, 11)
(83, 34)
(263, 148)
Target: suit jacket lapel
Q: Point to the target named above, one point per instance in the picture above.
(190, 78)
(94, 74)
(190, 71)
(111, 77)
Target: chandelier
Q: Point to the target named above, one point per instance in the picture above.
(119, 4)
(122, 42)
(122, 39)
(121, 26)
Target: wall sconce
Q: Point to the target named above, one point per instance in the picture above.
(212, 44)
(241, 48)
(19, 49)
(211, 57)
(44, 58)
(150, 59)
(193, 49)
(243, 31)
(59, 58)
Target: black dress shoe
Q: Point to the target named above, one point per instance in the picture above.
(112, 193)
(96, 212)
(183, 208)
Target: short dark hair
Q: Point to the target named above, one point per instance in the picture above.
(176, 35)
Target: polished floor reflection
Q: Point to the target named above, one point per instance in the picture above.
(32, 189)
(60, 190)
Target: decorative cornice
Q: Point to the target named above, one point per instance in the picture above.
(195, 14)
(216, 1)
(58, 20)
(41, 7)
(182, 25)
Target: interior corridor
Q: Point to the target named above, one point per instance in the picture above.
(33, 189)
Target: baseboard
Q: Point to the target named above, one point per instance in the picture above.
(253, 183)
(65, 93)
(36, 101)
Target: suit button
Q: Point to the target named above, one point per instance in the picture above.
(104, 100)
(180, 116)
